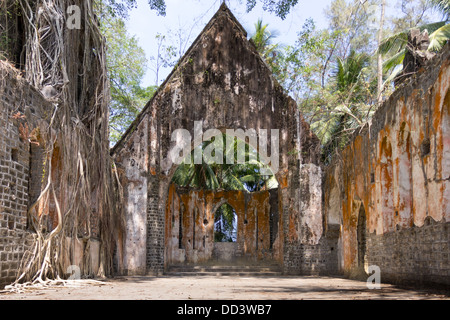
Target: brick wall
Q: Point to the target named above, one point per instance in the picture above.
(418, 255)
(155, 229)
(314, 259)
(15, 96)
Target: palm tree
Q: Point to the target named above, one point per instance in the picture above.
(350, 104)
(263, 40)
(224, 224)
(213, 176)
(395, 46)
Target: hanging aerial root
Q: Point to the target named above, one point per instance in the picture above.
(77, 203)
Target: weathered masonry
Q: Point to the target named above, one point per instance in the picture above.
(23, 110)
(223, 83)
(389, 190)
(383, 201)
(15, 155)
(190, 227)
(54, 152)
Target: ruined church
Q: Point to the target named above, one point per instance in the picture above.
(383, 201)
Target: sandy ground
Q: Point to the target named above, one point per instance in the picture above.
(226, 288)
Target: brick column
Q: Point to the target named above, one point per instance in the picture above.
(155, 228)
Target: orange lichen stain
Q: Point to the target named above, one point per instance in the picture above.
(443, 82)
(283, 180)
(199, 206)
(153, 171)
(387, 184)
(402, 107)
(293, 232)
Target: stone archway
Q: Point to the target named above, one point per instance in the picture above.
(221, 83)
(194, 212)
(361, 236)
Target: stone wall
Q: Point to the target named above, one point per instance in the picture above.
(222, 83)
(393, 179)
(18, 102)
(22, 110)
(418, 255)
(190, 217)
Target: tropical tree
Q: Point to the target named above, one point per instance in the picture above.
(126, 64)
(346, 104)
(213, 175)
(225, 224)
(394, 47)
(280, 8)
(263, 39)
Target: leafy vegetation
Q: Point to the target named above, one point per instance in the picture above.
(334, 73)
(214, 175)
(126, 63)
(225, 221)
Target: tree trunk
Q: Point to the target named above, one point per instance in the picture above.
(380, 57)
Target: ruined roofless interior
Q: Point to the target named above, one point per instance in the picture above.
(383, 201)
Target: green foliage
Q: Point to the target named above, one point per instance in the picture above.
(443, 6)
(212, 176)
(263, 40)
(126, 63)
(224, 224)
(439, 38)
(159, 6)
(334, 93)
(120, 8)
(166, 56)
(281, 7)
(393, 48)
(331, 73)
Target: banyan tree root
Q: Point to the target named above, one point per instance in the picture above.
(49, 284)
(78, 186)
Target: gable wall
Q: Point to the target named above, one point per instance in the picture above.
(224, 83)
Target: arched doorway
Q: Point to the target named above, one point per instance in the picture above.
(219, 84)
(225, 224)
(225, 234)
(361, 238)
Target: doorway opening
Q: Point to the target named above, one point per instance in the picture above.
(361, 237)
(225, 224)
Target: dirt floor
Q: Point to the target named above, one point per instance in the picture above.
(226, 288)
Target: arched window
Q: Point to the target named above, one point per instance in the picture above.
(226, 171)
(225, 224)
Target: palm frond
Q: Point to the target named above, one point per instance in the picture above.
(442, 5)
(397, 42)
(392, 76)
(439, 38)
(394, 61)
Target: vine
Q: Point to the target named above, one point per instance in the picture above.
(79, 178)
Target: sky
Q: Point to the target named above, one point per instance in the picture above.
(193, 15)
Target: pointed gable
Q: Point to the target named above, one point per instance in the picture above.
(220, 83)
(220, 68)
(224, 82)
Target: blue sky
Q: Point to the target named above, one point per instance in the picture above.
(193, 15)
